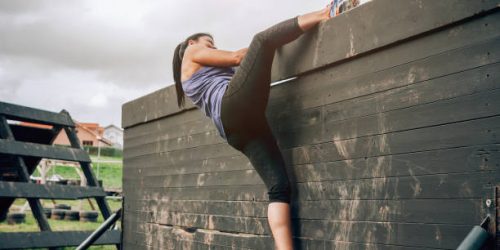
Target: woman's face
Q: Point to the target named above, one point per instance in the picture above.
(205, 41)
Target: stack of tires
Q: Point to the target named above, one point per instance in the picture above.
(59, 211)
(64, 212)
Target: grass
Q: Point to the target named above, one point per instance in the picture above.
(59, 225)
(109, 172)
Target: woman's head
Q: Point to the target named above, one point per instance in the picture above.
(204, 39)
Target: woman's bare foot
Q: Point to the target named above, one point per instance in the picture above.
(310, 19)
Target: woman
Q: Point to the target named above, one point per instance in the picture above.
(236, 102)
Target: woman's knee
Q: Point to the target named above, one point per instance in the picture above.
(260, 37)
(280, 192)
(262, 40)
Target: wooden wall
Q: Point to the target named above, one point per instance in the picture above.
(390, 132)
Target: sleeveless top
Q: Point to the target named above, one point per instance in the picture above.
(206, 88)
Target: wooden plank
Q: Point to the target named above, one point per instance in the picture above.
(130, 244)
(460, 134)
(32, 190)
(340, 39)
(155, 165)
(193, 116)
(187, 154)
(475, 106)
(213, 238)
(464, 83)
(465, 185)
(331, 244)
(374, 232)
(224, 178)
(161, 129)
(436, 186)
(340, 83)
(386, 166)
(24, 113)
(438, 161)
(164, 144)
(148, 107)
(12, 147)
(454, 159)
(466, 133)
(162, 236)
(54, 239)
(230, 193)
(445, 211)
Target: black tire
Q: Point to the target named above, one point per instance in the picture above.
(47, 211)
(62, 182)
(15, 218)
(3, 215)
(74, 182)
(71, 215)
(63, 206)
(58, 214)
(89, 216)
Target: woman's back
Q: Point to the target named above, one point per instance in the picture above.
(205, 88)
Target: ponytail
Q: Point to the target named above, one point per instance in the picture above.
(177, 63)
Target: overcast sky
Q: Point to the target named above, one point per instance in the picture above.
(90, 57)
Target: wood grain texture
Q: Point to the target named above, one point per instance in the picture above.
(390, 138)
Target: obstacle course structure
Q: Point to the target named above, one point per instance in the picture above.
(389, 128)
(21, 149)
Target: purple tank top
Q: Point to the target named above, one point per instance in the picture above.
(206, 88)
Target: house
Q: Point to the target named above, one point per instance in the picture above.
(89, 134)
(114, 134)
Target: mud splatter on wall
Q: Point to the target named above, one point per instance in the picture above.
(390, 136)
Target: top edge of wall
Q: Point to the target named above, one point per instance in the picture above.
(373, 25)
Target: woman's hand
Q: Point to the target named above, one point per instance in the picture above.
(327, 11)
(240, 54)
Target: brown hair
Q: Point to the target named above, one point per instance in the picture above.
(177, 63)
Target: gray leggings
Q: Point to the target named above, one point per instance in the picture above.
(244, 105)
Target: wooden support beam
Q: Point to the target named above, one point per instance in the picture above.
(23, 113)
(9, 146)
(32, 190)
(54, 239)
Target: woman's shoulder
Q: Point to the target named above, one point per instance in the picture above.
(190, 69)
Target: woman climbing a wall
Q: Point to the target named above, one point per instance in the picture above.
(236, 102)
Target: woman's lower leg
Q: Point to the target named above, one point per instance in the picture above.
(278, 214)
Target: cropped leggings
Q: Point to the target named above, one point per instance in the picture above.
(244, 105)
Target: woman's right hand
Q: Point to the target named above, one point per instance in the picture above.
(240, 54)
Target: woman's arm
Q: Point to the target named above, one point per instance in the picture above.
(214, 57)
(241, 54)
